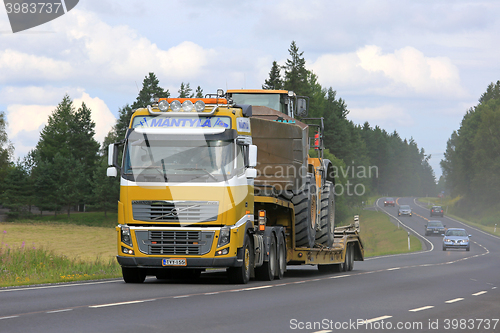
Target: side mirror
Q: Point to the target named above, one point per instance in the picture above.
(252, 156)
(301, 107)
(470, 236)
(112, 172)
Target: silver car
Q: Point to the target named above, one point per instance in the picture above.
(405, 210)
(456, 238)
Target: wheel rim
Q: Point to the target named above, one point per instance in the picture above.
(247, 260)
(313, 210)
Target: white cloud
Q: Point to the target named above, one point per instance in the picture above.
(386, 116)
(405, 72)
(101, 116)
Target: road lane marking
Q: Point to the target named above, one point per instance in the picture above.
(59, 286)
(57, 311)
(422, 308)
(454, 300)
(261, 287)
(122, 303)
(376, 319)
(214, 293)
(479, 293)
(182, 296)
(10, 317)
(393, 269)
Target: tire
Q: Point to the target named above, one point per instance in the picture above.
(267, 271)
(305, 214)
(281, 258)
(468, 248)
(133, 275)
(325, 235)
(444, 248)
(241, 275)
(350, 258)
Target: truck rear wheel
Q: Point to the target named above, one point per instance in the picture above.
(305, 202)
(267, 271)
(133, 275)
(241, 275)
(281, 258)
(350, 257)
(325, 234)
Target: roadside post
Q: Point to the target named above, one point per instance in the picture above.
(408, 241)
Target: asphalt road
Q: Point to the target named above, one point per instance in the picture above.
(429, 291)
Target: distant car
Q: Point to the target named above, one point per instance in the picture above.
(456, 238)
(437, 211)
(405, 210)
(389, 202)
(434, 228)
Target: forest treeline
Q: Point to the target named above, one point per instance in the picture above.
(67, 168)
(471, 164)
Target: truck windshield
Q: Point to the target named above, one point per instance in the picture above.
(153, 159)
(270, 100)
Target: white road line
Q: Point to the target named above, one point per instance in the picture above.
(376, 319)
(393, 269)
(183, 296)
(339, 276)
(454, 300)
(10, 317)
(121, 303)
(59, 286)
(214, 293)
(255, 288)
(479, 293)
(57, 311)
(422, 308)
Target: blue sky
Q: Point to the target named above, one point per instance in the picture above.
(410, 66)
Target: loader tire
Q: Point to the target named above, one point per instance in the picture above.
(325, 234)
(305, 202)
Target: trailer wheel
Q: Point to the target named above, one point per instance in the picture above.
(281, 258)
(133, 275)
(267, 271)
(305, 202)
(241, 275)
(350, 257)
(325, 234)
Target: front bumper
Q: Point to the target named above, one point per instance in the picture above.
(453, 245)
(190, 262)
(434, 232)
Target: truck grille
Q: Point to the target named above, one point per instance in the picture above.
(175, 211)
(175, 242)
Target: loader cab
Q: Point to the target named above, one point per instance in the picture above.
(283, 101)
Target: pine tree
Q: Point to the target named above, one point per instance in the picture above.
(296, 74)
(185, 91)
(150, 89)
(199, 92)
(274, 82)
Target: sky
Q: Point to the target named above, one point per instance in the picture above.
(414, 67)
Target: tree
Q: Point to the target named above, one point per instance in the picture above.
(150, 89)
(296, 74)
(199, 92)
(274, 82)
(185, 91)
(104, 188)
(6, 150)
(18, 190)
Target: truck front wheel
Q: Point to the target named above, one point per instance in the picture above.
(241, 275)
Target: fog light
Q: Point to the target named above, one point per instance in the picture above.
(222, 252)
(163, 105)
(127, 251)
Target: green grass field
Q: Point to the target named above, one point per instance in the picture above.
(381, 237)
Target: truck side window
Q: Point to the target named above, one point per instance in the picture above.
(240, 159)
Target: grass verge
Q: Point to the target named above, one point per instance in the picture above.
(381, 237)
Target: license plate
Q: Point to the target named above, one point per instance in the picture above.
(174, 262)
(436, 231)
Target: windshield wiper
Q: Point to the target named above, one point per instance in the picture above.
(196, 169)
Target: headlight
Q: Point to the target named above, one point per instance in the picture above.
(187, 106)
(163, 105)
(446, 240)
(125, 235)
(224, 236)
(199, 106)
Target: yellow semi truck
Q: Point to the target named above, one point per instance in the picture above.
(226, 181)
